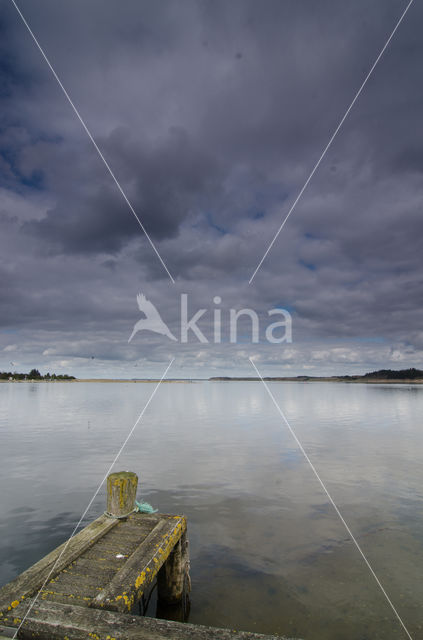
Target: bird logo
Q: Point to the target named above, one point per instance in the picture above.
(152, 320)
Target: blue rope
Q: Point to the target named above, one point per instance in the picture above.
(144, 507)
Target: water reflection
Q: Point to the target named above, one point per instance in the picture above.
(267, 551)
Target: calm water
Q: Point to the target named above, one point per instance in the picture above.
(268, 553)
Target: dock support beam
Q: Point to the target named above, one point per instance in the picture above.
(173, 581)
(121, 493)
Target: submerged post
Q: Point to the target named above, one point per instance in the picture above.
(121, 493)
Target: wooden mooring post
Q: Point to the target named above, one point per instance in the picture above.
(121, 493)
(90, 586)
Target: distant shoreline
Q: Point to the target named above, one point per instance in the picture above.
(301, 379)
(381, 376)
(329, 379)
(145, 380)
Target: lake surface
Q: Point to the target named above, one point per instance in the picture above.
(268, 552)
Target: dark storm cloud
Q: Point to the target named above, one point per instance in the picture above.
(212, 115)
(166, 183)
(170, 180)
(261, 112)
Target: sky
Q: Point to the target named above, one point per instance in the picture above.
(211, 115)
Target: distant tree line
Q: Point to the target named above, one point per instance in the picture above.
(382, 374)
(389, 374)
(34, 374)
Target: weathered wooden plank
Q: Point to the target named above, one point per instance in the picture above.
(103, 567)
(140, 569)
(30, 581)
(64, 598)
(89, 584)
(83, 566)
(53, 621)
(14, 617)
(110, 550)
(73, 586)
(141, 519)
(123, 539)
(137, 522)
